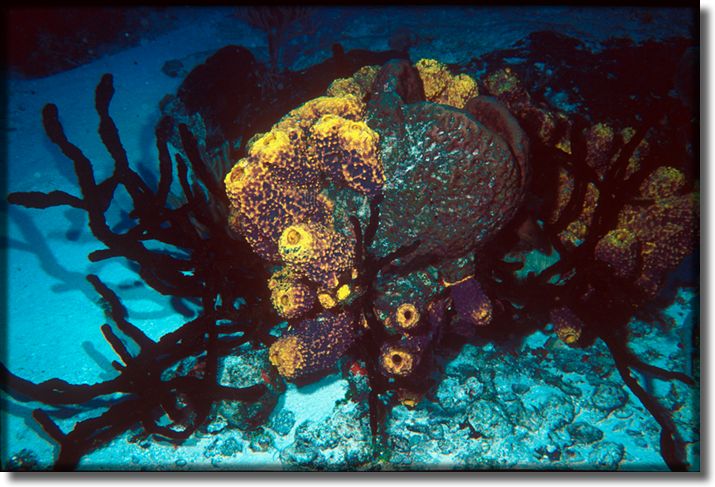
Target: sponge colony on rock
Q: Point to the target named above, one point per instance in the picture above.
(441, 86)
(619, 250)
(279, 183)
(471, 302)
(292, 299)
(567, 325)
(316, 252)
(348, 152)
(313, 345)
(667, 229)
(397, 361)
(262, 208)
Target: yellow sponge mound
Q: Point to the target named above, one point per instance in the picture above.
(292, 299)
(313, 345)
(316, 252)
(303, 117)
(349, 152)
(442, 87)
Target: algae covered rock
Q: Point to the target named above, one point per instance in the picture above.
(283, 422)
(245, 370)
(609, 396)
(338, 442)
(582, 432)
(488, 420)
(606, 455)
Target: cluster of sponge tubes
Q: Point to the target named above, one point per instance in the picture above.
(281, 207)
(279, 204)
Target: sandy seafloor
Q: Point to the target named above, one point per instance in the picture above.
(54, 319)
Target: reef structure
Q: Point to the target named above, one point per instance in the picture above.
(344, 281)
(601, 187)
(447, 178)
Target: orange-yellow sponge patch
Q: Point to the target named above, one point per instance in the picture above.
(435, 77)
(280, 152)
(297, 244)
(565, 187)
(409, 398)
(619, 250)
(460, 90)
(326, 300)
(281, 276)
(265, 208)
(346, 86)
(349, 152)
(568, 334)
(313, 345)
(288, 355)
(303, 117)
(482, 314)
(567, 325)
(238, 177)
(279, 183)
(316, 252)
(407, 316)
(577, 230)
(667, 232)
(442, 87)
(640, 152)
(343, 292)
(664, 182)
(397, 361)
(292, 299)
(600, 139)
(365, 76)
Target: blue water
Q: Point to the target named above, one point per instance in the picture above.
(522, 402)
